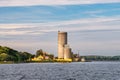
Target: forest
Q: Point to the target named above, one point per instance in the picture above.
(101, 58)
(9, 54)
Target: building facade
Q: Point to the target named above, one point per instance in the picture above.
(64, 51)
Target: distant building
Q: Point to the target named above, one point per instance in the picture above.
(83, 60)
(45, 56)
(67, 52)
(64, 51)
(39, 58)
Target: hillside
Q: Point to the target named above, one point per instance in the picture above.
(9, 54)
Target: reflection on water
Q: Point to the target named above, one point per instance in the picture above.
(61, 71)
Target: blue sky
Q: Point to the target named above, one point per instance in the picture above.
(93, 26)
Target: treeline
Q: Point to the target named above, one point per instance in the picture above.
(40, 52)
(9, 54)
(101, 58)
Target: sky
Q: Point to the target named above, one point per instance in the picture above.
(93, 26)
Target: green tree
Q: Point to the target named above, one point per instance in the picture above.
(51, 56)
(39, 52)
(25, 56)
(4, 57)
(10, 54)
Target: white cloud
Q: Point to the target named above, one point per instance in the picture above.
(52, 2)
(70, 25)
(30, 46)
(14, 26)
(13, 32)
(90, 42)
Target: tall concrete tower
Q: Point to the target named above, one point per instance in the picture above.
(67, 52)
(62, 41)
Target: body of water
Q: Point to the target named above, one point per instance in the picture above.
(61, 71)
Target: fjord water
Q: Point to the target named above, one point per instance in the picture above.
(61, 71)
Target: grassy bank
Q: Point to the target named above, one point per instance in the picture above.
(7, 62)
(44, 61)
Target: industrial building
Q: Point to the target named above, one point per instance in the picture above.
(64, 51)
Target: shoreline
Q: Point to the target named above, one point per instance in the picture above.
(11, 62)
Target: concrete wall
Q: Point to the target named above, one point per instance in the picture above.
(62, 40)
(67, 52)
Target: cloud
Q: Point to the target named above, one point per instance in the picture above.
(13, 32)
(52, 2)
(13, 26)
(103, 36)
(29, 46)
(90, 24)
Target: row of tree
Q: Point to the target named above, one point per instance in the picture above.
(102, 58)
(40, 52)
(8, 54)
